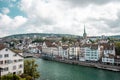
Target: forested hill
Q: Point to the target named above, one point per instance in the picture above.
(31, 35)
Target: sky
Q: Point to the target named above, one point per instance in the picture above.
(100, 17)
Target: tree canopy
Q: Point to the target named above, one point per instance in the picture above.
(117, 48)
(30, 68)
(10, 77)
(38, 40)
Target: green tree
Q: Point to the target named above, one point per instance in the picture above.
(111, 40)
(72, 40)
(38, 40)
(64, 39)
(30, 68)
(117, 48)
(28, 78)
(91, 41)
(10, 77)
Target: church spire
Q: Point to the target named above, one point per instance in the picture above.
(84, 30)
(84, 34)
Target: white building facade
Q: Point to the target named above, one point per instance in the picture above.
(11, 62)
(109, 53)
(92, 54)
(89, 53)
(108, 60)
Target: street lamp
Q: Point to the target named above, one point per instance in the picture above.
(0, 72)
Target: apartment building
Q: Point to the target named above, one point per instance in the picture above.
(10, 61)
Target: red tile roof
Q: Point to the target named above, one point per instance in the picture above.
(2, 46)
(107, 46)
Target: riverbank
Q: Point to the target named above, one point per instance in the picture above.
(94, 65)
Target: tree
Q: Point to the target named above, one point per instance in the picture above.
(72, 40)
(38, 40)
(10, 77)
(91, 41)
(64, 39)
(117, 48)
(111, 40)
(30, 68)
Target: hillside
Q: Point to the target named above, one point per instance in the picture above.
(31, 35)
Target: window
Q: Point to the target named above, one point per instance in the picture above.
(1, 62)
(95, 54)
(6, 49)
(15, 55)
(19, 72)
(6, 69)
(20, 66)
(6, 55)
(20, 60)
(7, 61)
(14, 67)
(0, 56)
(92, 58)
(15, 60)
(87, 54)
(92, 55)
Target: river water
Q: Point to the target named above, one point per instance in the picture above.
(50, 70)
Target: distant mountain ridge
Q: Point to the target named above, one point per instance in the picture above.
(115, 36)
(40, 35)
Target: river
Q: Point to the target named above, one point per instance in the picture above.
(50, 70)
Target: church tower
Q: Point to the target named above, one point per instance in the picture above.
(84, 34)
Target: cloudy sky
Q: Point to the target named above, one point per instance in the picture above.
(100, 17)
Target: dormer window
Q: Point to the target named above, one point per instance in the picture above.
(6, 49)
(15, 55)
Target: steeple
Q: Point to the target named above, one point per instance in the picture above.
(84, 29)
(84, 34)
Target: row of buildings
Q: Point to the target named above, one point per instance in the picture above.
(102, 51)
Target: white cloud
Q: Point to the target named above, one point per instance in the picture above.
(7, 22)
(67, 19)
(8, 25)
(18, 21)
(58, 16)
(4, 20)
(3, 34)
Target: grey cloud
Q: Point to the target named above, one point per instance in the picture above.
(114, 23)
(87, 2)
(41, 21)
(113, 26)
